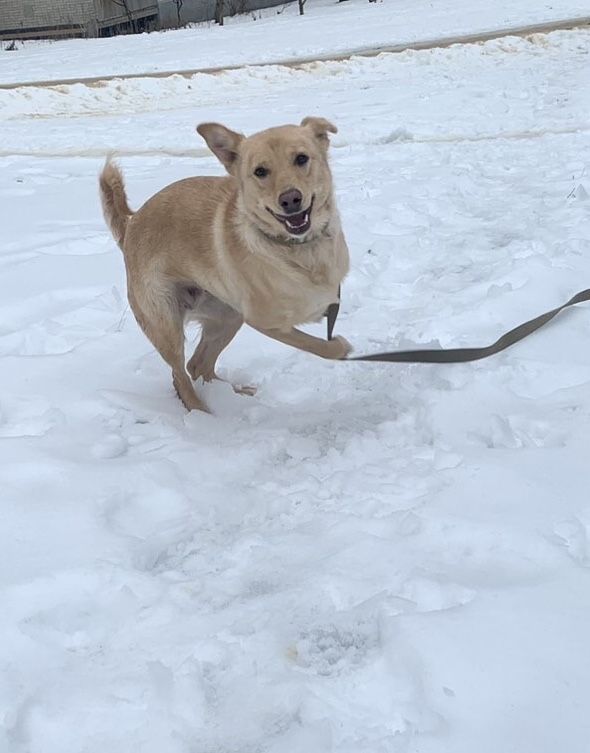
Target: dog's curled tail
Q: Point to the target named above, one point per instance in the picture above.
(115, 208)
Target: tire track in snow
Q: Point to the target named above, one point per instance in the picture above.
(397, 137)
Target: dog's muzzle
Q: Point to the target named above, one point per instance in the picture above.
(295, 224)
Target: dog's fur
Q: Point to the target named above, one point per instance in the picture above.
(219, 251)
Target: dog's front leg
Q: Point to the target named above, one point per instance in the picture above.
(336, 349)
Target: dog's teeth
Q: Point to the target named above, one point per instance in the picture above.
(294, 226)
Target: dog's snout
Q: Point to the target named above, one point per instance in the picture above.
(290, 201)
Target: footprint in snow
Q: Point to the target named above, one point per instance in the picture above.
(27, 417)
(330, 650)
(519, 432)
(432, 596)
(17, 190)
(110, 446)
(573, 535)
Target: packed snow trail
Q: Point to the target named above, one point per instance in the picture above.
(361, 558)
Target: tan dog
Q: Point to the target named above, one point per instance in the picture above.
(262, 245)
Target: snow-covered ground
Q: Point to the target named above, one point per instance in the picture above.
(361, 558)
(328, 27)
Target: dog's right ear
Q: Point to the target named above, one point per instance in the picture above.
(319, 127)
(223, 143)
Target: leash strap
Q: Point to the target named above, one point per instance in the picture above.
(332, 315)
(462, 355)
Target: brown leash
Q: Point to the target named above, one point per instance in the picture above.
(461, 355)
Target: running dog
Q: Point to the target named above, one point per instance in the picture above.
(262, 245)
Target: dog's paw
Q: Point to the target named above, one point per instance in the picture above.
(338, 348)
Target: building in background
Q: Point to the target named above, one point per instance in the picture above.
(53, 19)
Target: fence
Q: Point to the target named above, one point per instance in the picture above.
(194, 11)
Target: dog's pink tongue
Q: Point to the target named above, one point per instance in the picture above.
(297, 220)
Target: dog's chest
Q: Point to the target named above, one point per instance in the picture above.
(291, 294)
(279, 287)
(308, 303)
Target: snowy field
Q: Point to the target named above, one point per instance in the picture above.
(362, 558)
(279, 34)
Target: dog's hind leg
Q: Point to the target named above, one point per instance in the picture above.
(215, 337)
(161, 319)
(219, 325)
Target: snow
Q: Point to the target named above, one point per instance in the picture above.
(327, 28)
(361, 558)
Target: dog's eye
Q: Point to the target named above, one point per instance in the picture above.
(301, 159)
(261, 172)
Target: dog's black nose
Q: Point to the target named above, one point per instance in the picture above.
(290, 201)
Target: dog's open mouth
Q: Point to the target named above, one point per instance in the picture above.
(295, 224)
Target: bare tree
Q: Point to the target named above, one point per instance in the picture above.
(179, 4)
(301, 4)
(219, 10)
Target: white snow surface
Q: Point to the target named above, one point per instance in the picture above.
(362, 558)
(277, 34)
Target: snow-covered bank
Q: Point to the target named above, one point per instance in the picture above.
(327, 27)
(431, 91)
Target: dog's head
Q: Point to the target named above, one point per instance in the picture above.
(283, 175)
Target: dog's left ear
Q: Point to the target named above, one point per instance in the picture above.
(223, 143)
(319, 127)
